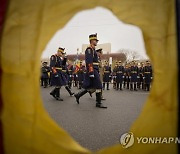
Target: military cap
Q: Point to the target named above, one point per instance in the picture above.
(93, 37)
(45, 62)
(99, 50)
(61, 50)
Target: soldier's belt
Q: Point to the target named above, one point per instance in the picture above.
(58, 68)
(106, 71)
(133, 72)
(119, 72)
(147, 72)
(63, 70)
(95, 63)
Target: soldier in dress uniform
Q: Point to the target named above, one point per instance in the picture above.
(114, 75)
(92, 77)
(80, 74)
(106, 75)
(147, 71)
(119, 76)
(44, 74)
(58, 79)
(99, 53)
(140, 82)
(133, 76)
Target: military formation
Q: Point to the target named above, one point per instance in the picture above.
(91, 75)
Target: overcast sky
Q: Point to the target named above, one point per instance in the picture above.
(101, 21)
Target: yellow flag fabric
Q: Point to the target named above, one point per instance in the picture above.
(30, 24)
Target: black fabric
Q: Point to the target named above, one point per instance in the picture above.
(98, 98)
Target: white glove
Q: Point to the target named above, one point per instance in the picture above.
(122, 76)
(138, 77)
(56, 76)
(91, 76)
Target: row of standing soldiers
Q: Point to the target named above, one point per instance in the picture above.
(129, 76)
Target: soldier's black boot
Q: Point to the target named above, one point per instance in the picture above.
(58, 95)
(120, 86)
(127, 85)
(90, 93)
(142, 86)
(124, 85)
(131, 86)
(103, 85)
(69, 85)
(135, 87)
(69, 91)
(145, 87)
(45, 83)
(107, 85)
(80, 94)
(76, 84)
(53, 92)
(98, 101)
(80, 85)
(148, 87)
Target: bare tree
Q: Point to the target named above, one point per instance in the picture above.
(130, 54)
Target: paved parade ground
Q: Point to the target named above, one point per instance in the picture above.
(92, 127)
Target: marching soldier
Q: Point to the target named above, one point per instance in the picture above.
(99, 53)
(44, 74)
(80, 74)
(147, 75)
(92, 77)
(133, 76)
(119, 76)
(106, 75)
(57, 61)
